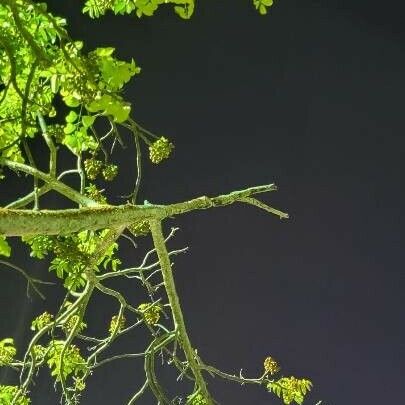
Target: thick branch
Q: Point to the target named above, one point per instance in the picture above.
(180, 327)
(52, 222)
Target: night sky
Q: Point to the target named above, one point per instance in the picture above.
(309, 97)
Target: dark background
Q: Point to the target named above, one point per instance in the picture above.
(310, 97)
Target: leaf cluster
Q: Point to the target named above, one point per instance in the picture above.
(39, 61)
(7, 351)
(73, 254)
(8, 392)
(262, 5)
(97, 8)
(290, 389)
(71, 363)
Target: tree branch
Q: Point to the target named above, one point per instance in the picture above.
(51, 181)
(53, 222)
(179, 325)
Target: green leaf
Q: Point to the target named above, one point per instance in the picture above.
(69, 128)
(103, 52)
(119, 110)
(99, 103)
(71, 101)
(5, 249)
(262, 9)
(70, 141)
(88, 120)
(71, 117)
(185, 11)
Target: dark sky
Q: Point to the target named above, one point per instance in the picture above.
(309, 97)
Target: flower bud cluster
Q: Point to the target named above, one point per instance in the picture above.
(151, 313)
(270, 365)
(41, 321)
(141, 228)
(94, 167)
(7, 351)
(114, 324)
(160, 150)
(70, 324)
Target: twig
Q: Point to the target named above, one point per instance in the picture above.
(30, 280)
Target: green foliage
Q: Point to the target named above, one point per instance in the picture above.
(7, 351)
(114, 73)
(7, 393)
(76, 134)
(39, 353)
(41, 321)
(43, 62)
(262, 5)
(72, 254)
(97, 8)
(40, 245)
(21, 72)
(183, 8)
(72, 361)
(5, 249)
(290, 389)
(95, 194)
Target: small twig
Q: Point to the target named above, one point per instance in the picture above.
(118, 357)
(263, 206)
(30, 280)
(139, 393)
(50, 144)
(240, 379)
(138, 169)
